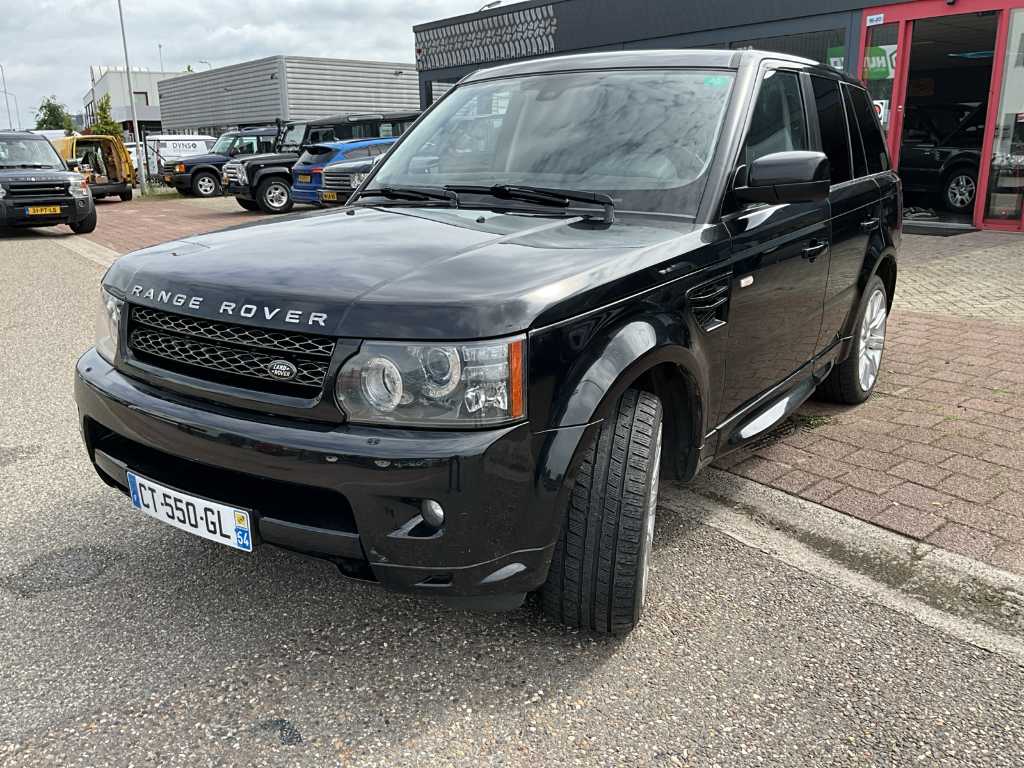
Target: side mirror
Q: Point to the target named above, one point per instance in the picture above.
(73, 164)
(784, 177)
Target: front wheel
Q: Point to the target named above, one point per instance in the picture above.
(86, 225)
(205, 185)
(960, 190)
(274, 196)
(599, 570)
(853, 380)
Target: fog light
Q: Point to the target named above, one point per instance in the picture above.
(432, 513)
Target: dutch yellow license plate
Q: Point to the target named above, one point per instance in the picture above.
(305, 178)
(42, 210)
(329, 196)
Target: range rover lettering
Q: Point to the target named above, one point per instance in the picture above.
(571, 278)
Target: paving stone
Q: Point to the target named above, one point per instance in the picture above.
(965, 541)
(928, 454)
(919, 497)
(822, 490)
(916, 523)
(863, 504)
(965, 465)
(761, 470)
(918, 472)
(795, 481)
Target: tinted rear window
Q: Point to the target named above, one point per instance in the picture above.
(860, 166)
(870, 133)
(835, 141)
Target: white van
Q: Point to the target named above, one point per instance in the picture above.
(163, 147)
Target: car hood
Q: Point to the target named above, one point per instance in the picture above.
(20, 175)
(270, 157)
(208, 159)
(421, 273)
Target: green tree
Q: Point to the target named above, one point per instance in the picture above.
(52, 115)
(104, 124)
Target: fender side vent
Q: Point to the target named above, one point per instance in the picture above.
(709, 303)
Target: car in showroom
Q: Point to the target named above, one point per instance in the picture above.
(572, 277)
(38, 188)
(307, 173)
(264, 182)
(199, 174)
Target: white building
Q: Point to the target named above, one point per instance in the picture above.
(114, 81)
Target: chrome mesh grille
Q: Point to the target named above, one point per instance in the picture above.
(337, 181)
(240, 362)
(260, 338)
(232, 174)
(29, 190)
(225, 352)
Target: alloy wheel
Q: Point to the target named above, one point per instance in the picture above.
(652, 503)
(206, 186)
(277, 195)
(961, 191)
(872, 339)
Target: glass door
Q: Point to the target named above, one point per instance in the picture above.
(878, 71)
(1004, 193)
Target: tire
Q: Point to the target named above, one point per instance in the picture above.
(274, 195)
(959, 190)
(598, 575)
(249, 205)
(205, 184)
(846, 383)
(86, 225)
(126, 196)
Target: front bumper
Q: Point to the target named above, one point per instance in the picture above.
(181, 181)
(306, 195)
(350, 494)
(14, 211)
(237, 190)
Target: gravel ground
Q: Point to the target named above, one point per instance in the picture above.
(128, 643)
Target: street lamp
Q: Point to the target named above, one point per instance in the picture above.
(3, 83)
(17, 107)
(209, 66)
(139, 147)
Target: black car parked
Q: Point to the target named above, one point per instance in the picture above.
(941, 153)
(264, 182)
(572, 275)
(199, 175)
(38, 189)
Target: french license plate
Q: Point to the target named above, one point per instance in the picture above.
(305, 178)
(167, 179)
(332, 196)
(211, 520)
(42, 210)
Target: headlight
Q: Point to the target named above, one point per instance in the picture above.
(357, 179)
(108, 321)
(79, 187)
(179, 168)
(3, 192)
(435, 385)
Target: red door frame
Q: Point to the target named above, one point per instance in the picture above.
(905, 14)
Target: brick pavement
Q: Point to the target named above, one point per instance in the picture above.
(127, 227)
(938, 452)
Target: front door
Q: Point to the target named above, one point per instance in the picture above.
(781, 257)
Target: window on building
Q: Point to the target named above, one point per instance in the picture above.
(835, 141)
(141, 98)
(860, 165)
(827, 46)
(870, 133)
(778, 123)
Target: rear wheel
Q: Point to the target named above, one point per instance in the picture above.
(960, 190)
(86, 225)
(126, 195)
(853, 380)
(274, 195)
(249, 205)
(205, 184)
(598, 575)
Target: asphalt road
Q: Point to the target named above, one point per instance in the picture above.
(125, 642)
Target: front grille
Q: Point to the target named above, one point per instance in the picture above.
(338, 181)
(29, 190)
(168, 166)
(232, 174)
(228, 353)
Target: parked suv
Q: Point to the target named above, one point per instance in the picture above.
(264, 182)
(38, 188)
(572, 275)
(308, 171)
(941, 153)
(199, 175)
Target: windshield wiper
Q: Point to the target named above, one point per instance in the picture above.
(27, 165)
(413, 193)
(542, 196)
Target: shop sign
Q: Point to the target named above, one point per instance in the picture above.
(880, 62)
(875, 19)
(837, 57)
(882, 110)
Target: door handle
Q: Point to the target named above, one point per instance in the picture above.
(814, 250)
(869, 225)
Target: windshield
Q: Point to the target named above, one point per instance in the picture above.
(293, 136)
(224, 144)
(644, 137)
(19, 152)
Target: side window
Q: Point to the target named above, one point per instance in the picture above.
(778, 123)
(860, 165)
(246, 146)
(358, 154)
(266, 143)
(835, 139)
(870, 132)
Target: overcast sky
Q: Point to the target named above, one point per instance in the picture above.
(46, 46)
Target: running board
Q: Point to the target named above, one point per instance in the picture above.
(768, 417)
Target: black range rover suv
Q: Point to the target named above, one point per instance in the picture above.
(572, 275)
